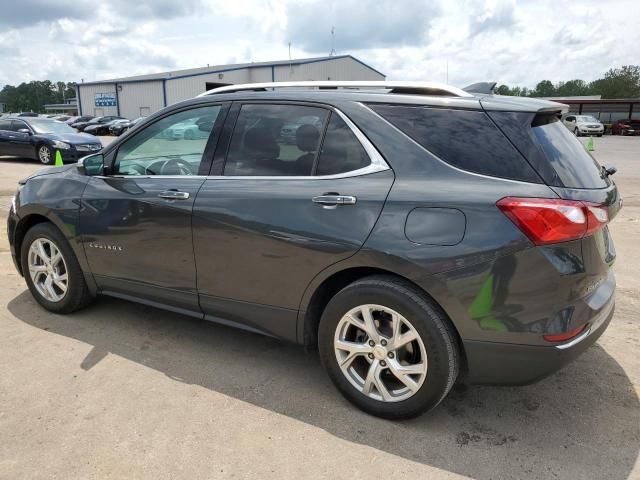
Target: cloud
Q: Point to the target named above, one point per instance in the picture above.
(462, 42)
(31, 12)
(491, 18)
(358, 25)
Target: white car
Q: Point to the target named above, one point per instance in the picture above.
(583, 125)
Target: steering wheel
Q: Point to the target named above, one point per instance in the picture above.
(176, 164)
(138, 169)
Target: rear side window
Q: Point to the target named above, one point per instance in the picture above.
(574, 166)
(341, 151)
(5, 125)
(466, 139)
(275, 140)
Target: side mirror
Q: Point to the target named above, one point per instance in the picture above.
(91, 165)
(25, 130)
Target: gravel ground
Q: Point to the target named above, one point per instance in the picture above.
(121, 390)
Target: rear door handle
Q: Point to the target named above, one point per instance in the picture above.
(332, 201)
(174, 195)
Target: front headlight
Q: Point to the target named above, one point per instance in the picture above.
(61, 145)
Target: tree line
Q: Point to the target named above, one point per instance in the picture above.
(32, 96)
(623, 82)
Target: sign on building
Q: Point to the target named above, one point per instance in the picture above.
(106, 99)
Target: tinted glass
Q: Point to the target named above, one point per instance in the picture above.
(171, 146)
(18, 125)
(275, 140)
(464, 138)
(574, 166)
(5, 125)
(341, 150)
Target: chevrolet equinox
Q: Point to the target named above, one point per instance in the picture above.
(414, 233)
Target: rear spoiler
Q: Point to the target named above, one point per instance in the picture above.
(486, 88)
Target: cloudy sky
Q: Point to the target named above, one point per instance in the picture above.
(513, 42)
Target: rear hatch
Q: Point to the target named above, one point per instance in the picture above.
(565, 165)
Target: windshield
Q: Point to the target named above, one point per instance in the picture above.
(587, 118)
(44, 126)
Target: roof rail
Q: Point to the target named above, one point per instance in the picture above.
(409, 88)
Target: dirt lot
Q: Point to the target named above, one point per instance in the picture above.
(121, 390)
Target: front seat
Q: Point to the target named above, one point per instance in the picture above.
(307, 139)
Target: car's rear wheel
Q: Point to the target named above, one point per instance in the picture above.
(45, 154)
(52, 271)
(388, 348)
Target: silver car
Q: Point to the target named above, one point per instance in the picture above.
(583, 125)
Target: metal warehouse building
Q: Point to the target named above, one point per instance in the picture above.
(132, 97)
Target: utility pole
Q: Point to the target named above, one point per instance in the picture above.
(332, 53)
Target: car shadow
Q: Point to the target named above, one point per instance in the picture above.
(581, 422)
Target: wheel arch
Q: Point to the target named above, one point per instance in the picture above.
(32, 219)
(317, 298)
(23, 226)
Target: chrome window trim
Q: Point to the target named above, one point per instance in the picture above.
(378, 164)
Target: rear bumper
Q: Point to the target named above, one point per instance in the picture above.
(492, 363)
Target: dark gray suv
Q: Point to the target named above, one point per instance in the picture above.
(416, 234)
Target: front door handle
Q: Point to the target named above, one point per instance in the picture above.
(333, 200)
(174, 195)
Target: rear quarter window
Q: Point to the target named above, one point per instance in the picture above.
(463, 138)
(574, 166)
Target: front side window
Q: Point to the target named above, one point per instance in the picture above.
(173, 145)
(275, 140)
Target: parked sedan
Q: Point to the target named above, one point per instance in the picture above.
(39, 138)
(626, 127)
(583, 125)
(80, 126)
(77, 119)
(102, 128)
(119, 128)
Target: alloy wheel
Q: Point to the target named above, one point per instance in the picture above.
(44, 154)
(48, 270)
(380, 353)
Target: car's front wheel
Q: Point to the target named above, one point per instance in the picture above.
(52, 271)
(45, 154)
(388, 348)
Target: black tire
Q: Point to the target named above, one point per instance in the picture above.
(599, 135)
(576, 132)
(427, 318)
(77, 295)
(51, 154)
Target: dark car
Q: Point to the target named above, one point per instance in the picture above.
(102, 128)
(77, 119)
(626, 127)
(119, 128)
(416, 234)
(39, 138)
(80, 125)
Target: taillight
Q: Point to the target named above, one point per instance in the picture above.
(550, 220)
(563, 337)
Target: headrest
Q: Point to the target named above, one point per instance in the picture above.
(307, 137)
(261, 141)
